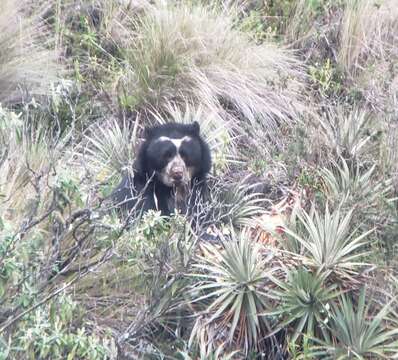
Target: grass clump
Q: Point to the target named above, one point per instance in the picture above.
(368, 49)
(27, 57)
(193, 54)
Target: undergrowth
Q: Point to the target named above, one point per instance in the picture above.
(296, 256)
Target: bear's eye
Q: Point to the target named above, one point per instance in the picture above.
(183, 154)
(185, 157)
(168, 154)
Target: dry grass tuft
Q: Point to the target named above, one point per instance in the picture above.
(369, 31)
(24, 154)
(192, 54)
(27, 62)
(368, 49)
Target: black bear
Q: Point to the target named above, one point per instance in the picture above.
(169, 173)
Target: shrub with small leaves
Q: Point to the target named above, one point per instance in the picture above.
(55, 331)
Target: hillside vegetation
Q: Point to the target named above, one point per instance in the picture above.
(298, 100)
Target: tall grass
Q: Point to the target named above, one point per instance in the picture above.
(27, 61)
(368, 49)
(185, 53)
(369, 32)
(25, 152)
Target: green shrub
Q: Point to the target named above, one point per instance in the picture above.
(55, 332)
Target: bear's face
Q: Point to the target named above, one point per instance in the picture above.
(175, 157)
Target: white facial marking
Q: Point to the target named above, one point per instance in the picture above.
(176, 142)
(176, 162)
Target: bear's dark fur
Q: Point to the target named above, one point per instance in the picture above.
(169, 173)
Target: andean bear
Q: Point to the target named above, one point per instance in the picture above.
(169, 173)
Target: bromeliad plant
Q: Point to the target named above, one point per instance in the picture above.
(328, 243)
(238, 204)
(354, 187)
(205, 354)
(304, 299)
(347, 134)
(110, 147)
(353, 333)
(231, 293)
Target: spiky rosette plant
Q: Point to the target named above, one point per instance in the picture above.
(357, 188)
(303, 302)
(231, 291)
(357, 332)
(327, 243)
(109, 147)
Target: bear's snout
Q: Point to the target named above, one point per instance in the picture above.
(177, 173)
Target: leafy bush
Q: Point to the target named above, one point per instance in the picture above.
(54, 331)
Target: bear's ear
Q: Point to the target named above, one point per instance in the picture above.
(195, 128)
